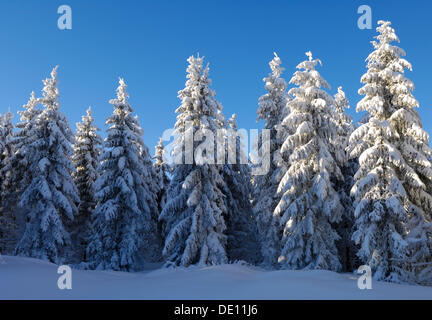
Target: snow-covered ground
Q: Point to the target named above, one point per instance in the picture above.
(25, 278)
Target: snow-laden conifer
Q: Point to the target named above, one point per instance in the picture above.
(124, 222)
(4, 221)
(393, 183)
(7, 143)
(16, 170)
(8, 227)
(346, 247)
(51, 197)
(152, 191)
(308, 202)
(272, 107)
(346, 127)
(241, 225)
(6, 151)
(162, 174)
(193, 216)
(87, 149)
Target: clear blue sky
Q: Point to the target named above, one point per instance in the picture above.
(148, 42)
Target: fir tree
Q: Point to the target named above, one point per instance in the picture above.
(87, 149)
(8, 146)
(16, 169)
(4, 221)
(152, 190)
(308, 202)
(272, 108)
(8, 224)
(7, 150)
(393, 183)
(193, 216)
(346, 247)
(162, 176)
(50, 198)
(124, 219)
(241, 226)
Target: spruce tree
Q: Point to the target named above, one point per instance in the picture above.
(7, 151)
(393, 184)
(241, 226)
(162, 177)
(8, 224)
(87, 149)
(8, 147)
(308, 202)
(124, 226)
(193, 216)
(152, 191)
(346, 247)
(51, 197)
(4, 221)
(272, 107)
(16, 169)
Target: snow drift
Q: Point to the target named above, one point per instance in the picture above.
(26, 278)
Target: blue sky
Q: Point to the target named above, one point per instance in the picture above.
(147, 43)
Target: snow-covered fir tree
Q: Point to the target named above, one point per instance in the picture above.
(193, 216)
(87, 149)
(4, 221)
(7, 220)
(124, 225)
(7, 149)
(272, 108)
(7, 143)
(345, 125)
(393, 184)
(346, 247)
(152, 191)
(16, 169)
(241, 225)
(51, 197)
(162, 174)
(308, 202)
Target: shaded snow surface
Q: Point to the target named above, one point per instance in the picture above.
(25, 278)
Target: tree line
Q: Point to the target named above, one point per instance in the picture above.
(337, 194)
